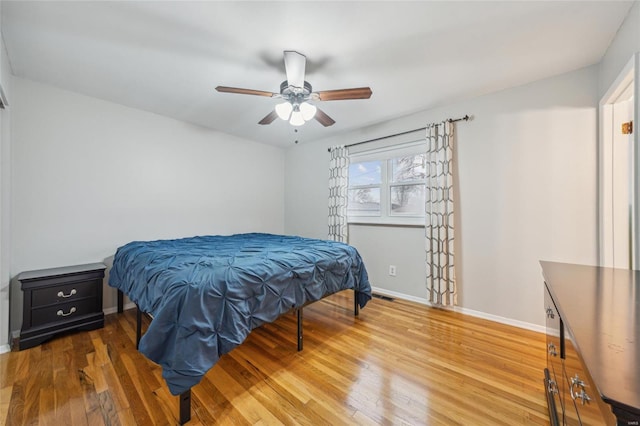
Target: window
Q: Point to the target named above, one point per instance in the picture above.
(388, 186)
(365, 180)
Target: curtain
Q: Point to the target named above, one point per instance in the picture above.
(338, 184)
(439, 218)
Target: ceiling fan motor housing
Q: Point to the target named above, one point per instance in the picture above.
(295, 95)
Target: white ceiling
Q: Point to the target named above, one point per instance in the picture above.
(167, 57)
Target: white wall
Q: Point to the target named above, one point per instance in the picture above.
(527, 191)
(5, 207)
(90, 176)
(623, 46)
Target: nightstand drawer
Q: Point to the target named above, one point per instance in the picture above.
(64, 293)
(62, 312)
(59, 300)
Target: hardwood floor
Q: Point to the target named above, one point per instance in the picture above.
(398, 363)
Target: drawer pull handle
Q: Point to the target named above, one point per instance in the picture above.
(581, 395)
(71, 293)
(575, 381)
(62, 314)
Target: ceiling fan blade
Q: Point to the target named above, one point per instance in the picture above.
(226, 89)
(342, 94)
(268, 119)
(295, 64)
(323, 118)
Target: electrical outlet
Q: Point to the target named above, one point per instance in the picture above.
(392, 270)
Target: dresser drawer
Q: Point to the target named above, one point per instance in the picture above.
(577, 401)
(582, 401)
(63, 311)
(554, 343)
(64, 293)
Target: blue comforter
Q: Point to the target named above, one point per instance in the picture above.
(207, 293)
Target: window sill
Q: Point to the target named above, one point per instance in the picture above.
(390, 224)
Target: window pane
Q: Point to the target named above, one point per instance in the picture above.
(408, 168)
(364, 202)
(407, 199)
(365, 173)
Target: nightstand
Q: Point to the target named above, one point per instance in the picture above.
(58, 300)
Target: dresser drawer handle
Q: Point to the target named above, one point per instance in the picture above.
(62, 314)
(71, 293)
(575, 381)
(581, 395)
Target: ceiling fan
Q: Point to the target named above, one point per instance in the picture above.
(296, 93)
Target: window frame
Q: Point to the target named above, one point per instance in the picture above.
(385, 155)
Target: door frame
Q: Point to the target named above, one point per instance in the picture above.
(629, 74)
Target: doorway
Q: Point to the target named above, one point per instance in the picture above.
(618, 172)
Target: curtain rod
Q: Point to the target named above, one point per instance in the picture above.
(450, 120)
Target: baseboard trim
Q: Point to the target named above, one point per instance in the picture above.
(466, 311)
(402, 296)
(4, 349)
(503, 320)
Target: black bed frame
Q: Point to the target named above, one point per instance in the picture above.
(185, 397)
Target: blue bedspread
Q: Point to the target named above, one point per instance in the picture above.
(207, 293)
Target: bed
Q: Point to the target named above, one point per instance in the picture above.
(205, 294)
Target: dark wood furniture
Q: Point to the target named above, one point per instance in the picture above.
(58, 300)
(593, 347)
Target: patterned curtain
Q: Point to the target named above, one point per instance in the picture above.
(338, 183)
(439, 220)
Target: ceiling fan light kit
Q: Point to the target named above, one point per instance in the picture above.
(308, 111)
(296, 92)
(296, 118)
(297, 115)
(295, 108)
(284, 110)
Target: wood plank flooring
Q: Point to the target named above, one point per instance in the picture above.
(398, 363)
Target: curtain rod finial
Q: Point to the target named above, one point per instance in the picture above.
(453, 120)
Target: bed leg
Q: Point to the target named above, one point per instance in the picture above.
(120, 301)
(356, 307)
(299, 311)
(185, 406)
(138, 326)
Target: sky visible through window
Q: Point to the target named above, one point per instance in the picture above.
(366, 173)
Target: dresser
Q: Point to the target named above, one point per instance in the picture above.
(593, 347)
(59, 300)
